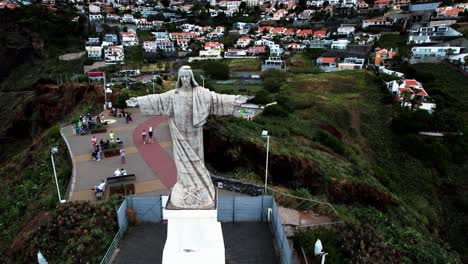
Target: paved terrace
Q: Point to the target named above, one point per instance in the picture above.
(151, 163)
(246, 242)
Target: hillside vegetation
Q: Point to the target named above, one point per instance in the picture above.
(332, 133)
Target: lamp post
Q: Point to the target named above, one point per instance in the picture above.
(105, 94)
(265, 134)
(154, 80)
(54, 150)
(318, 250)
(203, 80)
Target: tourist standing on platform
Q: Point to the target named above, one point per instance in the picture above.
(117, 172)
(143, 136)
(98, 149)
(94, 141)
(122, 155)
(150, 134)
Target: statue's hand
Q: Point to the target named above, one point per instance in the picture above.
(240, 99)
(132, 102)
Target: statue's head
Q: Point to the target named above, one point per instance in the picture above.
(186, 77)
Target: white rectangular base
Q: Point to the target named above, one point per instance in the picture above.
(193, 236)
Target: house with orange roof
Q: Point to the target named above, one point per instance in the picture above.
(407, 89)
(381, 4)
(320, 33)
(381, 55)
(129, 38)
(448, 11)
(305, 33)
(381, 22)
(328, 63)
(214, 45)
(264, 29)
(183, 44)
(182, 35)
(295, 47)
(290, 32)
(256, 50)
(243, 42)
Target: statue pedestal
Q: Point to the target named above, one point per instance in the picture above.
(193, 236)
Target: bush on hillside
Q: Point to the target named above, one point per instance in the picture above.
(330, 141)
(351, 193)
(275, 110)
(262, 97)
(273, 80)
(217, 70)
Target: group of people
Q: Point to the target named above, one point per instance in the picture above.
(86, 122)
(120, 172)
(122, 113)
(150, 134)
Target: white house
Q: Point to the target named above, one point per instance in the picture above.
(408, 90)
(243, 42)
(351, 64)
(434, 51)
(95, 17)
(376, 22)
(432, 34)
(94, 52)
(345, 30)
(214, 45)
(128, 18)
(94, 9)
(129, 38)
(114, 54)
(340, 44)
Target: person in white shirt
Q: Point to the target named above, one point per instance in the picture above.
(123, 172)
(117, 172)
(101, 187)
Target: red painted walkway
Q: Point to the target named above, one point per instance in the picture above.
(154, 155)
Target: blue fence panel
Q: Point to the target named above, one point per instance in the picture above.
(281, 238)
(225, 209)
(248, 208)
(147, 209)
(122, 214)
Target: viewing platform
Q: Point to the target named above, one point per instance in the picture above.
(152, 164)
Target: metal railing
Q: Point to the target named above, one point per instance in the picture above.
(123, 226)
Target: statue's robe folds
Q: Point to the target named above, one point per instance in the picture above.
(188, 113)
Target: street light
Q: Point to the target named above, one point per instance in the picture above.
(318, 250)
(265, 134)
(54, 150)
(154, 80)
(203, 80)
(105, 92)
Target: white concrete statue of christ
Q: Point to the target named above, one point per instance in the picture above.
(188, 107)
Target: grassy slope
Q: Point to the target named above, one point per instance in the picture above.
(350, 101)
(29, 186)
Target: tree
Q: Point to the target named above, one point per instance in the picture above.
(166, 3)
(242, 6)
(217, 70)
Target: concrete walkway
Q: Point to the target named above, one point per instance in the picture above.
(151, 163)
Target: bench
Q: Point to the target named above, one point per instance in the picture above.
(117, 179)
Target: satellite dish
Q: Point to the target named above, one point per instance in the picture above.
(318, 247)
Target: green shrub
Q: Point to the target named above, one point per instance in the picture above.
(273, 80)
(275, 110)
(330, 141)
(262, 97)
(217, 70)
(53, 133)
